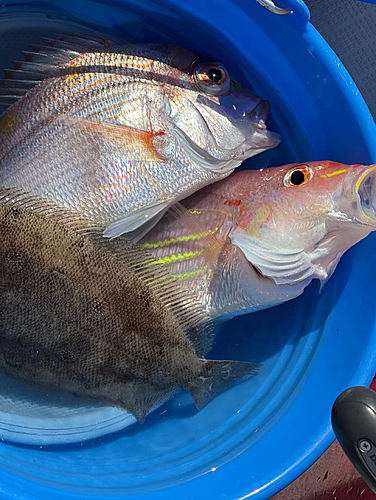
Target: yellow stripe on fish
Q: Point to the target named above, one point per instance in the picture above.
(336, 172)
(216, 210)
(179, 239)
(185, 276)
(178, 257)
(190, 274)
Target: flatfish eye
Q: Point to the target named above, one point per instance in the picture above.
(212, 78)
(297, 176)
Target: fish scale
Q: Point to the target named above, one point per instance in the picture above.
(119, 133)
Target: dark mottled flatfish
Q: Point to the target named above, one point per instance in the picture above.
(98, 318)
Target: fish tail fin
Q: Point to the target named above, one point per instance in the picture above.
(216, 376)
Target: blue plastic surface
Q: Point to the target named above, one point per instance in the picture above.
(257, 437)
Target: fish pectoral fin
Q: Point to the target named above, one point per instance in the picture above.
(285, 266)
(139, 144)
(136, 224)
(216, 376)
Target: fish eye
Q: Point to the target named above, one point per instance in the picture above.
(215, 75)
(298, 175)
(212, 78)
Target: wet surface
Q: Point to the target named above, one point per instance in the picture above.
(332, 477)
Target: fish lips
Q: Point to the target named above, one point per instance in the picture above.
(266, 138)
(258, 117)
(258, 139)
(239, 106)
(255, 114)
(365, 189)
(249, 113)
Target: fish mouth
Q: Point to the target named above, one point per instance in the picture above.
(257, 137)
(260, 137)
(215, 158)
(260, 114)
(365, 189)
(250, 114)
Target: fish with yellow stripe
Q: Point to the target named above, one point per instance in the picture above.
(259, 237)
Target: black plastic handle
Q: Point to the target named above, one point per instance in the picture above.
(354, 424)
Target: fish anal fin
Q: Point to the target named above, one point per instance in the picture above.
(216, 376)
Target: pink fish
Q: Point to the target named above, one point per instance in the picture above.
(259, 237)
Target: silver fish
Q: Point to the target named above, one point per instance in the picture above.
(98, 318)
(120, 133)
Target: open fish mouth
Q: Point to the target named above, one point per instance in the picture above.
(254, 114)
(260, 114)
(366, 191)
(218, 159)
(257, 136)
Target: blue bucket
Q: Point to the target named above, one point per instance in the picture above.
(257, 437)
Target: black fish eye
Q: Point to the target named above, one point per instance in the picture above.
(298, 175)
(297, 178)
(215, 75)
(212, 78)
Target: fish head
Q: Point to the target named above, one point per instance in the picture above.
(217, 121)
(296, 221)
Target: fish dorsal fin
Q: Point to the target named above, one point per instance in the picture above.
(187, 310)
(60, 51)
(43, 61)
